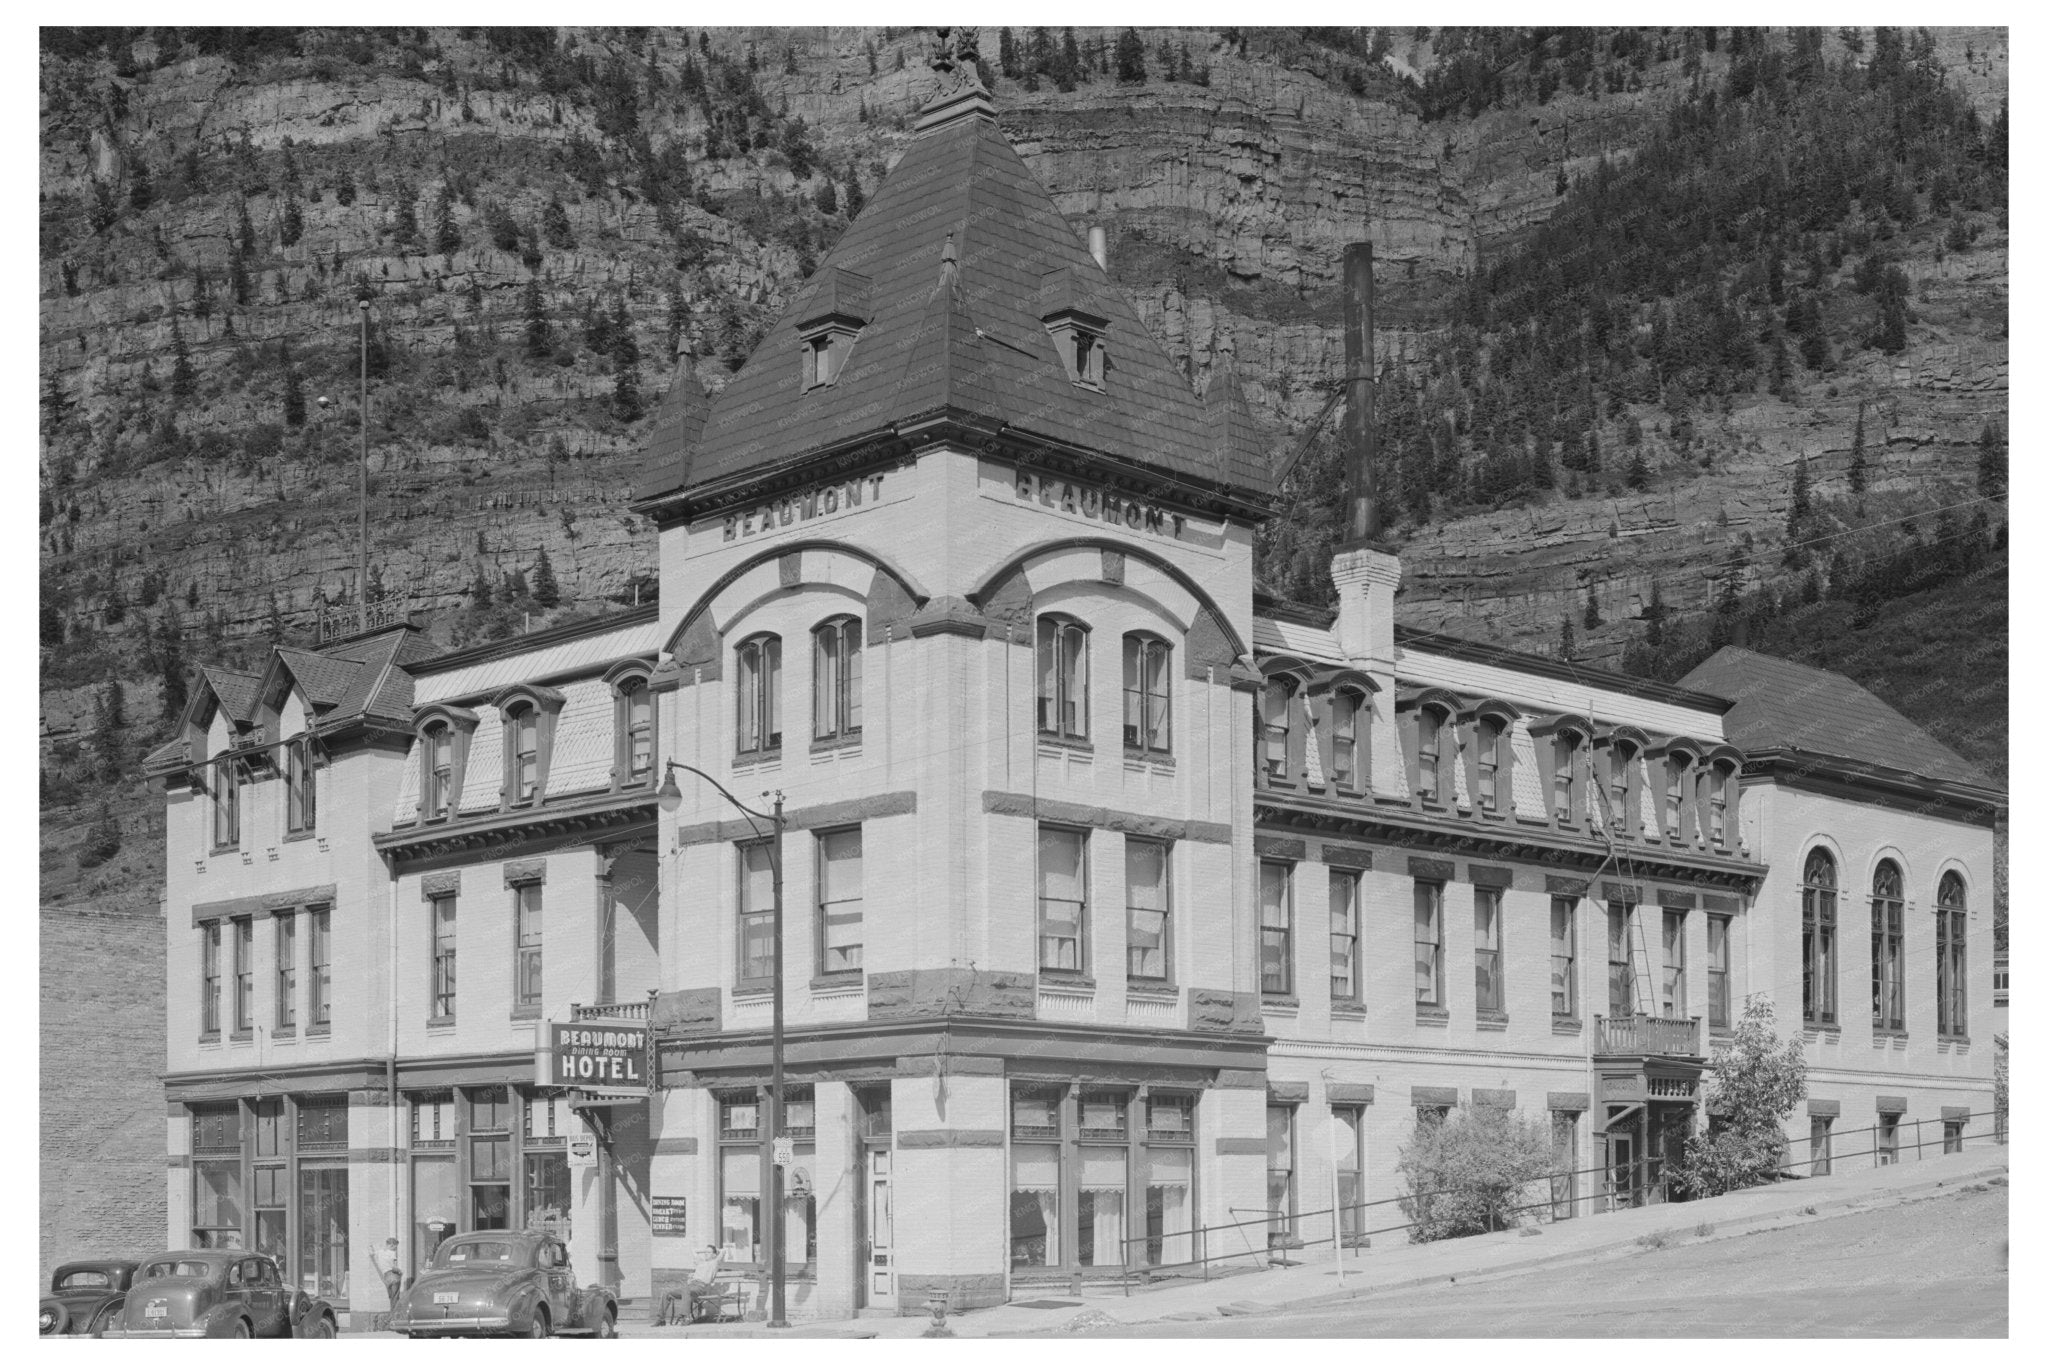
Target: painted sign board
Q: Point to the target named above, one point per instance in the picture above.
(671, 1215)
(604, 1056)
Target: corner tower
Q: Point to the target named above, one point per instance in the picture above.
(959, 564)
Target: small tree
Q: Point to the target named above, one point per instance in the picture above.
(1470, 1172)
(1859, 471)
(545, 591)
(1130, 58)
(1756, 1084)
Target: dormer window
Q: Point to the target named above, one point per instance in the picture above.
(438, 795)
(229, 772)
(522, 746)
(837, 311)
(1077, 326)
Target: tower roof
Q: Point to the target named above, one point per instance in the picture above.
(961, 266)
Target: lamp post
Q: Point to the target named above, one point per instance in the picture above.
(670, 799)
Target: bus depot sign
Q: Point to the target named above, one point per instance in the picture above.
(607, 1057)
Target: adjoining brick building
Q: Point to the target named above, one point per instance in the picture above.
(1129, 919)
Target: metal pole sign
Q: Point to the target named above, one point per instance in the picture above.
(607, 1057)
(783, 1151)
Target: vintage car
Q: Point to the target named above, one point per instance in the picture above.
(84, 1297)
(504, 1284)
(218, 1294)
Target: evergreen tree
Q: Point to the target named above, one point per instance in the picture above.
(1592, 617)
(1991, 460)
(245, 231)
(1006, 54)
(480, 590)
(140, 191)
(827, 198)
(291, 223)
(545, 592)
(109, 738)
(294, 394)
(540, 338)
(183, 382)
(447, 237)
(554, 225)
(1638, 471)
(1653, 617)
(170, 662)
(1130, 58)
(529, 248)
(856, 198)
(102, 841)
(626, 405)
(1567, 641)
(1859, 474)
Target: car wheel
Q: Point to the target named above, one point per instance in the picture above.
(608, 1325)
(242, 1330)
(322, 1329)
(52, 1318)
(539, 1328)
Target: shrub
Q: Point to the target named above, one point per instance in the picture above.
(1756, 1084)
(1470, 1172)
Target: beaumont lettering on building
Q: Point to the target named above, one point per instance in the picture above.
(820, 501)
(1098, 504)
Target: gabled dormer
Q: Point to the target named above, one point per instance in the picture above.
(839, 308)
(1078, 325)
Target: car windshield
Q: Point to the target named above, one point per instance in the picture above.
(178, 1270)
(470, 1253)
(85, 1279)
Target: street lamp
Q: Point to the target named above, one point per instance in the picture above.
(670, 799)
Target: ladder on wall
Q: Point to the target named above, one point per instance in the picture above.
(1647, 984)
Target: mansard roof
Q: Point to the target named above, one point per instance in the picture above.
(964, 339)
(1779, 704)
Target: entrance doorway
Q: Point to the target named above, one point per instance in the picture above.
(879, 1277)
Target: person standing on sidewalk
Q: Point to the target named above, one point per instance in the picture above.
(385, 1259)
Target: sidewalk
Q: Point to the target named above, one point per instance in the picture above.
(1393, 1264)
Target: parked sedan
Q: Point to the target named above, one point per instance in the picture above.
(218, 1294)
(504, 1284)
(84, 1297)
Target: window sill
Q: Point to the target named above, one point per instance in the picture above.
(300, 836)
(219, 849)
(1880, 1036)
(1434, 1015)
(1493, 1021)
(1811, 1027)
(290, 1031)
(836, 743)
(753, 992)
(840, 981)
(525, 1012)
(1064, 981)
(247, 1035)
(1954, 1039)
(1278, 1000)
(1064, 743)
(1148, 758)
(209, 1038)
(756, 760)
(1567, 1023)
(1146, 989)
(445, 1021)
(319, 1030)
(1346, 1009)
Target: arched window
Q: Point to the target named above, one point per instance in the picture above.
(1676, 770)
(1276, 710)
(1148, 694)
(1429, 729)
(634, 725)
(835, 679)
(1817, 938)
(1887, 948)
(1718, 778)
(1951, 962)
(1621, 763)
(1564, 753)
(1347, 704)
(437, 770)
(1488, 735)
(1062, 677)
(758, 688)
(522, 753)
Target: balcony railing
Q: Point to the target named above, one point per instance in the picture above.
(1648, 1035)
(635, 1009)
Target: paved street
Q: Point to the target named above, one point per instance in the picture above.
(1935, 1267)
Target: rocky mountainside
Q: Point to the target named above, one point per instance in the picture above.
(536, 216)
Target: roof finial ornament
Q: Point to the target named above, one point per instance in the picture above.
(955, 55)
(949, 264)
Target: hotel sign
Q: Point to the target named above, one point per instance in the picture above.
(819, 500)
(605, 1056)
(1096, 503)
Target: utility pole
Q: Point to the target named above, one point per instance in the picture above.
(363, 486)
(777, 1263)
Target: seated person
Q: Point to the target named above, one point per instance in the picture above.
(679, 1305)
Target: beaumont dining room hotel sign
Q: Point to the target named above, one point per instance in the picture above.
(1085, 499)
(607, 1056)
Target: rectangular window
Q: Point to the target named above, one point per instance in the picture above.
(756, 914)
(1820, 1144)
(299, 793)
(758, 692)
(245, 974)
(319, 1005)
(217, 1203)
(209, 977)
(1564, 957)
(547, 1191)
(1062, 678)
(526, 966)
(1344, 900)
(1674, 997)
(1276, 704)
(436, 1205)
(1148, 695)
(490, 1158)
(1344, 707)
(1719, 1015)
(1276, 928)
(1169, 1179)
(1099, 1225)
(525, 741)
(1621, 976)
(1488, 764)
(1428, 738)
(839, 900)
(739, 1177)
(1279, 1174)
(1350, 1145)
(440, 775)
(835, 679)
(1148, 907)
(1062, 900)
(1429, 943)
(1887, 962)
(1563, 750)
(323, 1230)
(1564, 1162)
(1035, 1177)
(227, 803)
(1951, 1136)
(1887, 1139)
(270, 1199)
(287, 927)
(636, 701)
(1489, 991)
(441, 910)
(1950, 973)
(1717, 787)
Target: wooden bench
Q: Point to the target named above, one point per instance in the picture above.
(725, 1300)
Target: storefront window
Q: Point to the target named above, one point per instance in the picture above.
(436, 1206)
(490, 1158)
(217, 1203)
(1350, 1144)
(323, 1231)
(1100, 1220)
(547, 1191)
(1035, 1177)
(1279, 1173)
(739, 1178)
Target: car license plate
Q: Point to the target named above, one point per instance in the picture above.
(446, 1298)
(156, 1310)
